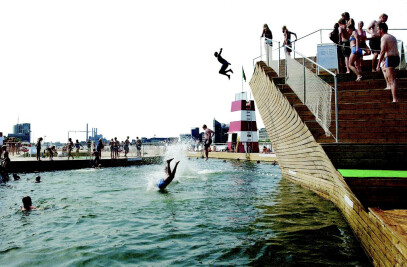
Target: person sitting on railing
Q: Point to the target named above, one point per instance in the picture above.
(287, 39)
(355, 59)
(344, 41)
(224, 63)
(362, 39)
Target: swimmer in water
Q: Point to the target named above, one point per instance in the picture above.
(162, 184)
(27, 204)
(37, 179)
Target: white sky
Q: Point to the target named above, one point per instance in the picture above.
(141, 68)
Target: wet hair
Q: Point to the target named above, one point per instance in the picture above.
(383, 27)
(384, 15)
(27, 203)
(38, 178)
(204, 126)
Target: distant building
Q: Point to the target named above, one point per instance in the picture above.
(160, 140)
(185, 137)
(22, 131)
(195, 134)
(263, 136)
(221, 132)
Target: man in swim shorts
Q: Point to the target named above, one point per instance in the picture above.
(162, 184)
(390, 55)
(374, 41)
(224, 63)
(208, 140)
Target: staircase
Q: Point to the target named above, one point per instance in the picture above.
(372, 130)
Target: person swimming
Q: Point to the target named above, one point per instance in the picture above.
(37, 179)
(27, 204)
(163, 183)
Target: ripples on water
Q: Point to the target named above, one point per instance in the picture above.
(213, 213)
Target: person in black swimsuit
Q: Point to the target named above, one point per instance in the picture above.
(223, 70)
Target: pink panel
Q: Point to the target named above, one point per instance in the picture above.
(242, 105)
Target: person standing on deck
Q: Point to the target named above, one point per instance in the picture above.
(77, 146)
(268, 44)
(208, 140)
(224, 63)
(138, 146)
(389, 54)
(126, 146)
(287, 39)
(38, 146)
(99, 147)
(70, 146)
(374, 41)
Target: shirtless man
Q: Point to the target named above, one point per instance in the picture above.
(208, 140)
(224, 63)
(390, 55)
(374, 41)
(162, 184)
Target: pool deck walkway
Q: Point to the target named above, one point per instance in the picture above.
(237, 156)
(30, 164)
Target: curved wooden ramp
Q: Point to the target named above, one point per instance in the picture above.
(303, 160)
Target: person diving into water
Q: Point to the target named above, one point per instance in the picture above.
(162, 184)
(224, 63)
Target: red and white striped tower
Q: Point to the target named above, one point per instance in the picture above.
(242, 135)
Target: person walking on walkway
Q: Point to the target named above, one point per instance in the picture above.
(69, 146)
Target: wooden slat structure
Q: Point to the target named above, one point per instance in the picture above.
(297, 143)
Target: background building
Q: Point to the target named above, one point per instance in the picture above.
(221, 132)
(263, 136)
(21, 131)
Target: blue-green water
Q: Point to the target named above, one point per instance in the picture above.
(214, 213)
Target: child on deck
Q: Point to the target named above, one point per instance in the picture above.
(162, 184)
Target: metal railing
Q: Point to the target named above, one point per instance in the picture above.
(272, 57)
(313, 92)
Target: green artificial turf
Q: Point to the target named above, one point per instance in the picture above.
(371, 173)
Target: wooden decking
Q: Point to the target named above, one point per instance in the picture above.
(305, 154)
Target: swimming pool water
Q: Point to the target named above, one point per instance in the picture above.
(214, 213)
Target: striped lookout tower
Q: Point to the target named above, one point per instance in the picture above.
(242, 135)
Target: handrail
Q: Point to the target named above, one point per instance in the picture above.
(269, 52)
(335, 88)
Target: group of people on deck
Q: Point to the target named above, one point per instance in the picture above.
(352, 46)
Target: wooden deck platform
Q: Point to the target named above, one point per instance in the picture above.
(237, 156)
(372, 134)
